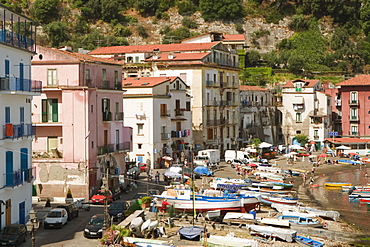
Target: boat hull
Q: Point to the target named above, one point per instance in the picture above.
(270, 201)
(303, 241)
(336, 184)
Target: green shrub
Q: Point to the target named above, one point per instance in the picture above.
(142, 32)
(186, 7)
(69, 193)
(187, 22)
(239, 28)
(146, 200)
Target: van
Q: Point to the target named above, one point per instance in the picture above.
(230, 155)
(56, 218)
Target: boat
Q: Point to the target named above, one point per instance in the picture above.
(275, 222)
(248, 202)
(332, 215)
(314, 185)
(272, 232)
(228, 241)
(284, 185)
(240, 216)
(304, 241)
(336, 184)
(212, 215)
(191, 232)
(364, 200)
(301, 221)
(129, 241)
(281, 200)
(145, 225)
(135, 226)
(153, 225)
(145, 244)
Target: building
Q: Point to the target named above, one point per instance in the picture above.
(158, 110)
(17, 89)
(211, 72)
(354, 94)
(259, 117)
(79, 120)
(306, 110)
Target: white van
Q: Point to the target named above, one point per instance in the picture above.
(230, 155)
(57, 217)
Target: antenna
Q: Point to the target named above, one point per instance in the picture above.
(98, 42)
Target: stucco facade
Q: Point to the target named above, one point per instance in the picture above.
(79, 119)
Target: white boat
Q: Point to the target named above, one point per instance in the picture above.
(153, 225)
(270, 200)
(275, 222)
(213, 214)
(333, 215)
(228, 241)
(239, 216)
(273, 232)
(135, 226)
(299, 214)
(145, 225)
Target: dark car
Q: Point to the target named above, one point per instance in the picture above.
(13, 235)
(94, 228)
(117, 210)
(71, 209)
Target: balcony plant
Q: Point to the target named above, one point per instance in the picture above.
(145, 201)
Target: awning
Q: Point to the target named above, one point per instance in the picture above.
(298, 100)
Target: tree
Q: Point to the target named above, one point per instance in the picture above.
(58, 33)
(302, 139)
(221, 9)
(110, 10)
(45, 11)
(147, 7)
(256, 142)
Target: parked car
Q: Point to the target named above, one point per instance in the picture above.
(71, 209)
(133, 171)
(94, 227)
(13, 235)
(117, 208)
(98, 198)
(153, 192)
(138, 196)
(57, 217)
(143, 167)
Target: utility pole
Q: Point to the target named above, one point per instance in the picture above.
(104, 189)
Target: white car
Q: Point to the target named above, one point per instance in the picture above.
(57, 217)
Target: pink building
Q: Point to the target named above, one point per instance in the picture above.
(354, 94)
(79, 120)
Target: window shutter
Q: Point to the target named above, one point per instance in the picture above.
(54, 105)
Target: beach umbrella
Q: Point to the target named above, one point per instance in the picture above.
(293, 153)
(312, 142)
(297, 147)
(167, 158)
(264, 145)
(343, 147)
(252, 165)
(172, 174)
(322, 155)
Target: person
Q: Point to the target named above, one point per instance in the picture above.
(164, 205)
(151, 174)
(157, 177)
(313, 170)
(366, 174)
(304, 177)
(311, 181)
(290, 173)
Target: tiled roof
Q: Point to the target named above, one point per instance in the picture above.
(347, 140)
(145, 81)
(150, 48)
(310, 83)
(359, 80)
(180, 56)
(234, 37)
(251, 88)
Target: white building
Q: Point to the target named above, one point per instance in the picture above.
(306, 110)
(16, 92)
(259, 117)
(159, 111)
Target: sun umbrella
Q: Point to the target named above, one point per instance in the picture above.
(293, 153)
(264, 145)
(343, 147)
(312, 142)
(172, 174)
(296, 147)
(322, 155)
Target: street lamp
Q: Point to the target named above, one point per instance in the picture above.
(104, 189)
(32, 225)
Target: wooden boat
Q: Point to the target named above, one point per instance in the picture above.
(275, 222)
(228, 240)
(212, 215)
(364, 200)
(304, 241)
(270, 200)
(314, 185)
(301, 221)
(239, 218)
(135, 226)
(272, 232)
(336, 184)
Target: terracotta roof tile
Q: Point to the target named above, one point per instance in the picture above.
(359, 80)
(145, 81)
(234, 37)
(180, 56)
(150, 48)
(251, 88)
(347, 140)
(310, 83)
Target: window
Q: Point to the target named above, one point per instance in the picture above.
(52, 80)
(24, 161)
(188, 105)
(354, 130)
(117, 139)
(353, 113)
(21, 115)
(353, 97)
(316, 133)
(298, 117)
(115, 77)
(140, 129)
(7, 114)
(87, 77)
(298, 132)
(139, 145)
(107, 114)
(210, 134)
(163, 110)
(137, 59)
(104, 73)
(178, 126)
(298, 87)
(49, 110)
(52, 143)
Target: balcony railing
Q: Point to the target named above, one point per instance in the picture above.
(88, 82)
(18, 40)
(179, 112)
(209, 83)
(107, 116)
(353, 102)
(165, 113)
(119, 116)
(164, 136)
(106, 84)
(213, 122)
(124, 146)
(18, 177)
(111, 148)
(117, 86)
(13, 131)
(19, 84)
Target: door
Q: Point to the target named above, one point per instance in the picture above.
(8, 212)
(21, 76)
(140, 159)
(9, 168)
(22, 213)
(24, 163)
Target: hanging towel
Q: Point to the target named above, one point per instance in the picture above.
(9, 129)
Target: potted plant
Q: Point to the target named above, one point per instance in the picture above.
(69, 197)
(145, 201)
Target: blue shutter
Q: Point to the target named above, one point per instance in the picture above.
(22, 213)
(9, 168)
(7, 68)
(21, 76)
(21, 114)
(7, 114)
(24, 163)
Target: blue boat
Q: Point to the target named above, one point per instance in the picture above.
(308, 242)
(301, 221)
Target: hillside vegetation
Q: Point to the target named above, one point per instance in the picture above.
(327, 36)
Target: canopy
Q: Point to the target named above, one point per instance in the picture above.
(293, 153)
(172, 174)
(264, 145)
(252, 165)
(202, 170)
(322, 155)
(343, 147)
(297, 147)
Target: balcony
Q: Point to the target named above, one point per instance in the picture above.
(354, 133)
(179, 112)
(15, 84)
(213, 122)
(111, 148)
(117, 86)
(13, 131)
(353, 102)
(124, 146)
(316, 137)
(164, 136)
(107, 116)
(88, 82)
(298, 107)
(354, 119)
(165, 113)
(18, 177)
(119, 116)
(106, 84)
(209, 83)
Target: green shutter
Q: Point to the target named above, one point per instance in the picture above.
(44, 111)
(54, 105)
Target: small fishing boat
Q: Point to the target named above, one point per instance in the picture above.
(135, 226)
(144, 244)
(272, 232)
(332, 215)
(228, 240)
(364, 200)
(212, 214)
(130, 241)
(301, 221)
(191, 232)
(336, 184)
(280, 200)
(304, 241)
(314, 185)
(145, 225)
(275, 222)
